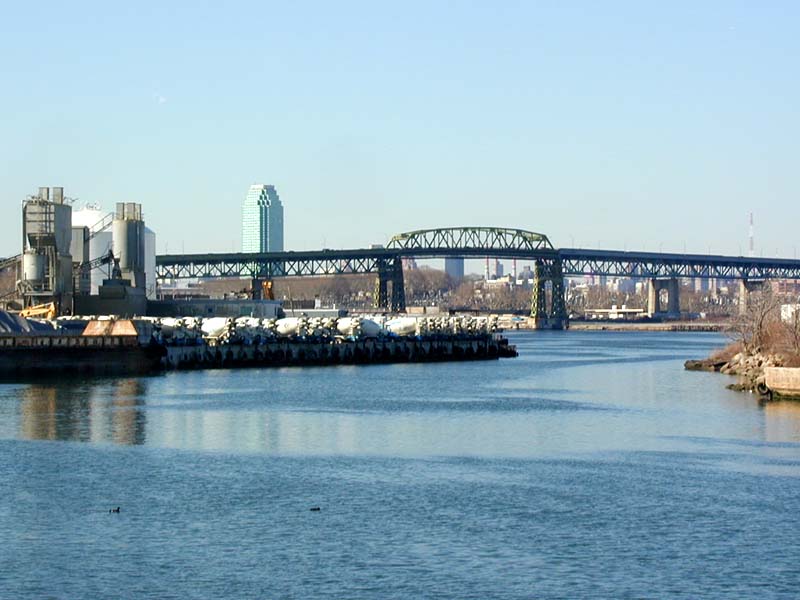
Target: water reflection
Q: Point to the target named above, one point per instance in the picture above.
(139, 411)
(99, 411)
(782, 421)
(340, 434)
(519, 408)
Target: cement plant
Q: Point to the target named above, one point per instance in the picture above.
(84, 302)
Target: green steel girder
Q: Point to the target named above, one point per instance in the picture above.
(269, 266)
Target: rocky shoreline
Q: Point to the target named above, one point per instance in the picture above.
(748, 368)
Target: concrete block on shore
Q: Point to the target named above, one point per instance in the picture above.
(783, 381)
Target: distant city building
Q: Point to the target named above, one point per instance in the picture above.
(409, 263)
(262, 220)
(527, 273)
(454, 267)
(504, 281)
(624, 285)
(785, 286)
(790, 312)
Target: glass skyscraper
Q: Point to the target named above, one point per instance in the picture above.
(262, 220)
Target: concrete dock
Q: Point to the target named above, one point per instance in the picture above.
(289, 352)
(131, 346)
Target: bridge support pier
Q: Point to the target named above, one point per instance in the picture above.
(398, 287)
(556, 317)
(390, 275)
(654, 304)
(381, 294)
(745, 287)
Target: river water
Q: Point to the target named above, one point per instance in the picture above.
(591, 466)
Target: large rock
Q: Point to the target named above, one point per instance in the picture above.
(704, 365)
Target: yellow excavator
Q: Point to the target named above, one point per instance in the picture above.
(42, 311)
(261, 289)
(49, 309)
(266, 290)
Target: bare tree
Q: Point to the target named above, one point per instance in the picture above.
(338, 289)
(425, 283)
(752, 328)
(791, 333)
(464, 294)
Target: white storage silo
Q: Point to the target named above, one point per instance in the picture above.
(92, 216)
(99, 222)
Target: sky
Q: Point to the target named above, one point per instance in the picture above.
(620, 125)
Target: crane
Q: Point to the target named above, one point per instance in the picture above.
(105, 259)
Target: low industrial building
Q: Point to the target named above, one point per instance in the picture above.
(212, 307)
(615, 313)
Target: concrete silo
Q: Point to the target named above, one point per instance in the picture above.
(129, 244)
(46, 274)
(101, 241)
(90, 220)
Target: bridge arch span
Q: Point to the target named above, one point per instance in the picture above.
(471, 238)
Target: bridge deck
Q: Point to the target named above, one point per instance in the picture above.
(575, 261)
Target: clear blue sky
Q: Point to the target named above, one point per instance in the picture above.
(638, 125)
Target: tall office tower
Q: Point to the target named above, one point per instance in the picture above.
(262, 220)
(454, 267)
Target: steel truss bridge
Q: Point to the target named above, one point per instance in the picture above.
(551, 265)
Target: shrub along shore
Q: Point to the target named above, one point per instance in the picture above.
(760, 339)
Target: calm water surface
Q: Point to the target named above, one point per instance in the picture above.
(590, 466)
